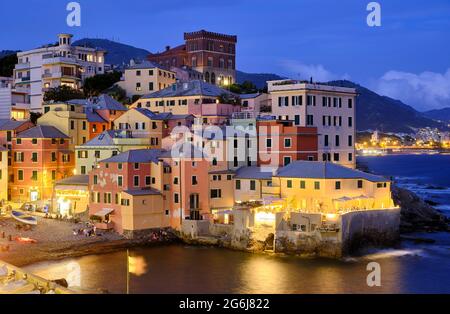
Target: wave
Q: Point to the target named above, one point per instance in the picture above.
(390, 253)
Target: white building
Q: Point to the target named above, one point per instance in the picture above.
(329, 108)
(14, 103)
(56, 65)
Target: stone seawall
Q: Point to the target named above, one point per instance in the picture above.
(356, 230)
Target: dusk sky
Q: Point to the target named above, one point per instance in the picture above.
(407, 58)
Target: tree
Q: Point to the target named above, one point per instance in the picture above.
(62, 93)
(7, 65)
(34, 116)
(96, 85)
(118, 93)
(245, 88)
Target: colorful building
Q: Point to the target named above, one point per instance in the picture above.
(146, 77)
(41, 157)
(212, 54)
(313, 187)
(209, 103)
(4, 174)
(106, 145)
(331, 109)
(280, 142)
(144, 124)
(71, 197)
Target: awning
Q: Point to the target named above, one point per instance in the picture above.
(104, 212)
(343, 199)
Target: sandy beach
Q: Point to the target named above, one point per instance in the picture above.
(55, 240)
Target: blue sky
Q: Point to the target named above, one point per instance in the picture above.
(408, 57)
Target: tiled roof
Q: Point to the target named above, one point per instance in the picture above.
(103, 101)
(257, 173)
(92, 116)
(75, 180)
(42, 131)
(324, 170)
(162, 116)
(106, 138)
(191, 88)
(143, 192)
(249, 96)
(145, 112)
(147, 65)
(7, 124)
(137, 156)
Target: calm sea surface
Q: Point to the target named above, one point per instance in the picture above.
(183, 269)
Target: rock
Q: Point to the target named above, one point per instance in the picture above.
(416, 214)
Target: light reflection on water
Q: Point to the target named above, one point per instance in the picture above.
(179, 269)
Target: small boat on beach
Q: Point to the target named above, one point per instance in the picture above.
(24, 218)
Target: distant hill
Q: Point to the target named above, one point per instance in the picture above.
(7, 63)
(118, 53)
(5, 53)
(375, 112)
(439, 114)
(259, 79)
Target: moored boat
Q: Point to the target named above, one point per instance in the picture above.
(24, 218)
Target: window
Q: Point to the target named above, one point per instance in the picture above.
(286, 161)
(238, 184)
(150, 72)
(148, 180)
(350, 103)
(34, 141)
(252, 185)
(338, 141)
(176, 198)
(138, 87)
(326, 141)
(95, 179)
(297, 100)
(136, 181)
(350, 122)
(289, 184)
(350, 157)
(297, 119)
(194, 180)
(136, 166)
(151, 86)
(34, 176)
(72, 125)
(119, 181)
(138, 73)
(216, 193)
(83, 169)
(316, 185)
(125, 202)
(310, 120)
(338, 185)
(18, 141)
(268, 143)
(34, 157)
(175, 181)
(360, 184)
(350, 141)
(303, 185)
(20, 175)
(337, 157)
(287, 143)
(120, 166)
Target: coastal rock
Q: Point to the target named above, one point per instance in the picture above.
(416, 214)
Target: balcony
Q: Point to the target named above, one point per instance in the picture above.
(55, 60)
(58, 75)
(23, 66)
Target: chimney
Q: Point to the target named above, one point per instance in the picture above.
(167, 48)
(311, 80)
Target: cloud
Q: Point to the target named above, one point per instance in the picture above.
(424, 91)
(318, 72)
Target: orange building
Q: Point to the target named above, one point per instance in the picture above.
(41, 156)
(141, 190)
(281, 142)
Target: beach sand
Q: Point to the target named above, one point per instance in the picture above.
(55, 240)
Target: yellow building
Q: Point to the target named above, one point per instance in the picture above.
(104, 146)
(143, 124)
(314, 187)
(70, 119)
(71, 197)
(145, 78)
(3, 174)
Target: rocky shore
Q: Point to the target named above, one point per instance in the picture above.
(416, 214)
